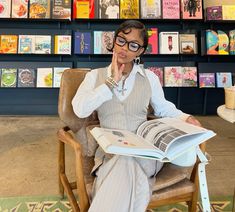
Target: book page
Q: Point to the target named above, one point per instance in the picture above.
(124, 142)
(163, 132)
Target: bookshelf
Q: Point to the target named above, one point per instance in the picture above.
(43, 101)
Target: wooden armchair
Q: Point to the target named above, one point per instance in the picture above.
(173, 184)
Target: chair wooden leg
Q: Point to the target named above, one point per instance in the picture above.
(61, 164)
(192, 206)
(70, 194)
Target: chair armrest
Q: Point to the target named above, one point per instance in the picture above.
(66, 137)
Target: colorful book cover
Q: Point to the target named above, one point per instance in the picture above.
(5, 8)
(40, 9)
(212, 42)
(158, 71)
(188, 44)
(8, 77)
(57, 74)
(171, 9)
(191, 9)
(26, 44)
(214, 13)
(189, 76)
(44, 77)
(103, 40)
(223, 79)
(169, 42)
(109, 9)
(228, 12)
(232, 42)
(129, 9)
(150, 9)
(61, 9)
(82, 43)
(62, 44)
(172, 76)
(153, 41)
(26, 78)
(19, 9)
(206, 80)
(83, 9)
(223, 42)
(8, 44)
(42, 44)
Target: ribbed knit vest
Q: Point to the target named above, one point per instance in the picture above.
(131, 112)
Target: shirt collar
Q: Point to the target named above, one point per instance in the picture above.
(136, 69)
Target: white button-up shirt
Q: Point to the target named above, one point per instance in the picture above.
(88, 97)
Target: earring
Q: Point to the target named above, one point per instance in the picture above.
(137, 60)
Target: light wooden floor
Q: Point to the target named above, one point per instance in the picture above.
(28, 156)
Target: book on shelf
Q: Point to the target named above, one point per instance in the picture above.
(152, 47)
(232, 42)
(44, 77)
(189, 76)
(191, 9)
(82, 42)
(228, 12)
(109, 9)
(178, 76)
(8, 77)
(103, 40)
(188, 43)
(158, 71)
(160, 139)
(57, 74)
(223, 42)
(40, 9)
(169, 42)
(150, 9)
(212, 42)
(8, 44)
(223, 79)
(171, 9)
(214, 13)
(26, 44)
(5, 8)
(42, 44)
(206, 80)
(62, 44)
(84, 9)
(61, 9)
(172, 76)
(20, 9)
(26, 78)
(129, 9)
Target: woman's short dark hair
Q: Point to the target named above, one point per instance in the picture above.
(125, 28)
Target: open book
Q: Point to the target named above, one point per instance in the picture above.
(161, 139)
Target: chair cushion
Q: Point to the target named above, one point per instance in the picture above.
(84, 137)
(169, 175)
(183, 187)
(92, 145)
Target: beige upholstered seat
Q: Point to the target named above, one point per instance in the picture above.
(172, 184)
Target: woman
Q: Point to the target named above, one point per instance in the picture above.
(121, 94)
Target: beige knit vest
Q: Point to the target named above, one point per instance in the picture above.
(131, 112)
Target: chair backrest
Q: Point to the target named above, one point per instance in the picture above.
(70, 81)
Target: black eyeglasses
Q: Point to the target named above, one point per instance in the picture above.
(132, 46)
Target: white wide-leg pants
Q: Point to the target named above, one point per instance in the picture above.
(123, 184)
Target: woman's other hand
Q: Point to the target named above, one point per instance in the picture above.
(194, 121)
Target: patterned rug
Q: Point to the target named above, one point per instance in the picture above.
(55, 204)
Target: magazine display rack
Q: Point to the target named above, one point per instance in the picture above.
(193, 100)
